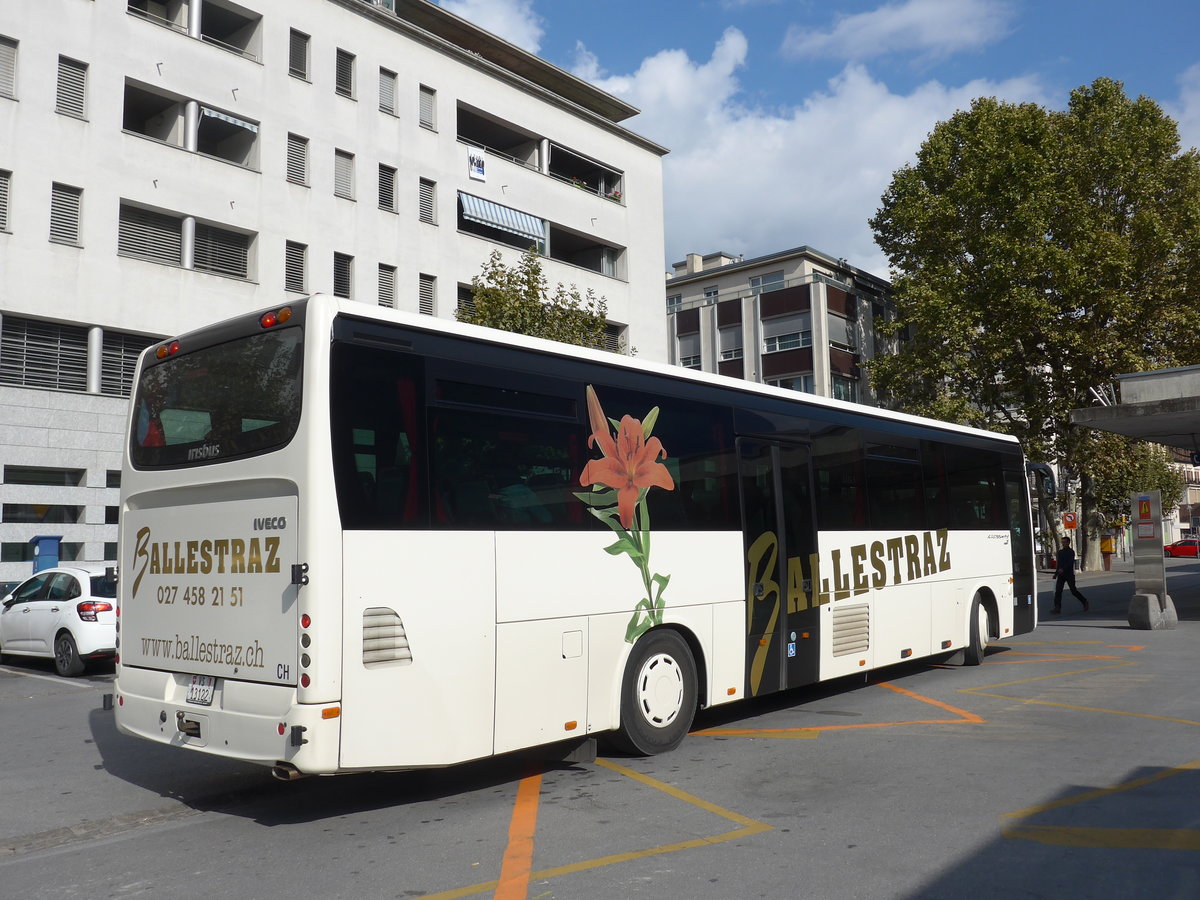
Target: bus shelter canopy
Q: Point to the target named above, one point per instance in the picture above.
(1162, 407)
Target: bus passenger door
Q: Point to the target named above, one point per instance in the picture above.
(782, 637)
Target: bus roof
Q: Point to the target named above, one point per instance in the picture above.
(603, 357)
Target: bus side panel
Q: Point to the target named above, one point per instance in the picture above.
(541, 682)
(437, 708)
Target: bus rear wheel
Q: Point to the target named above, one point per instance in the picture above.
(658, 694)
(980, 630)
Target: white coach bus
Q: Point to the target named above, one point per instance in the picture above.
(355, 539)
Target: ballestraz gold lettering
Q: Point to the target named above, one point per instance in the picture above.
(855, 570)
(208, 556)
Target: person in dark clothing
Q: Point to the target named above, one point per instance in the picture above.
(1064, 573)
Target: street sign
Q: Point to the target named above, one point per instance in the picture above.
(1070, 521)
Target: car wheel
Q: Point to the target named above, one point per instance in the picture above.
(976, 649)
(658, 694)
(66, 656)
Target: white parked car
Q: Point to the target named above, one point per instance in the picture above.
(68, 614)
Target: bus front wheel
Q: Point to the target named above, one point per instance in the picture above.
(658, 694)
(980, 630)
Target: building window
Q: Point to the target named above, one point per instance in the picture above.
(154, 237)
(710, 294)
(387, 188)
(293, 267)
(387, 286)
(343, 275)
(793, 383)
(297, 159)
(426, 294)
(45, 476)
(298, 54)
(221, 251)
(344, 76)
(674, 302)
(387, 91)
(343, 174)
(772, 281)
(227, 137)
(790, 341)
(72, 87)
(8, 67)
(428, 201)
(40, 354)
(64, 213)
(730, 340)
(428, 108)
(118, 361)
(845, 388)
(614, 337)
(689, 350)
(5, 180)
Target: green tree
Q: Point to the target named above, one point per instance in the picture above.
(518, 299)
(1036, 254)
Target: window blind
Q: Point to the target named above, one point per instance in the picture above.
(72, 85)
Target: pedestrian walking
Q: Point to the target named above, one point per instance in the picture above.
(1064, 573)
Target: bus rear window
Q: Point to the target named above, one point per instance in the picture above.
(218, 403)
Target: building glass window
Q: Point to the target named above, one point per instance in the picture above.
(674, 302)
(426, 294)
(295, 256)
(387, 188)
(845, 388)
(298, 54)
(387, 91)
(343, 174)
(770, 282)
(297, 159)
(65, 202)
(387, 286)
(730, 340)
(790, 341)
(72, 87)
(344, 74)
(343, 275)
(793, 383)
(428, 108)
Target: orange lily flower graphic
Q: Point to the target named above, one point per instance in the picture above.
(630, 463)
(629, 466)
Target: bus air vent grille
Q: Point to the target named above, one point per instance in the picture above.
(851, 629)
(384, 638)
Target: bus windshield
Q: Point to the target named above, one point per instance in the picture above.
(220, 402)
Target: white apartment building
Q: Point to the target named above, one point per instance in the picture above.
(167, 163)
(798, 319)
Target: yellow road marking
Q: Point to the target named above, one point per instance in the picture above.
(1103, 792)
(748, 827)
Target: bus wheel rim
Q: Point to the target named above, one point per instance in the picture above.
(660, 689)
(982, 626)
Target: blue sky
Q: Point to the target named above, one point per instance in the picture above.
(786, 118)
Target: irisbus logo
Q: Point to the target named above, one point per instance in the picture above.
(208, 451)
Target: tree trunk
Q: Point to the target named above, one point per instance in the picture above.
(1089, 532)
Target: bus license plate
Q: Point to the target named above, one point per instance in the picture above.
(200, 691)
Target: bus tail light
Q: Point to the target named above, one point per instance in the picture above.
(88, 608)
(170, 348)
(275, 317)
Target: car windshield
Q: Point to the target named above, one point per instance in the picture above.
(104, 587)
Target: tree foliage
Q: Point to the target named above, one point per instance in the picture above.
(518, 299)
(1036, 255)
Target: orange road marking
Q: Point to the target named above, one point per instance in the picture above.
(1134, 647)
(517, 865)
(811, 731)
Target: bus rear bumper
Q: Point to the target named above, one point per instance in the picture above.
(255, 723)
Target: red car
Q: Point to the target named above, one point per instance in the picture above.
(1186, 547)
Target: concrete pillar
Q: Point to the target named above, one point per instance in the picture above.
(191, 126)
(819, 323)
(95, 358)
(188, 243)
(195, 12)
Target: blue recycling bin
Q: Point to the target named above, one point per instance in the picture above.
(45, 551)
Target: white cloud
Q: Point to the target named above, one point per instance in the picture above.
(1186, 112)
(756, 181)
(513, 20)
(925, 28)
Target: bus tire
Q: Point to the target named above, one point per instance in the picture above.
(976, 647)
(66, 656)
(658, 694)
